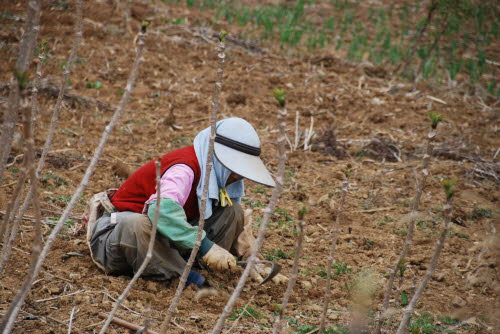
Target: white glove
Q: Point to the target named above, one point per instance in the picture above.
(219, 259)
(260, 270)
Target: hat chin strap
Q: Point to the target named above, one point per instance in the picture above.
(242, 147)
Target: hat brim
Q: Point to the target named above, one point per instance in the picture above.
(246, 165)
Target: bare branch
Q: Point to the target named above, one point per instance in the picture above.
(37, 244)
(430, 271)
(208, 171)
(15, 305)
(331, 254)
(411, 227)
(19, 82)
(263, 226)
(7, 227)
(295, 269)
(149, 254)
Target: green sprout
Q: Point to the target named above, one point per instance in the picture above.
(302, 212)
(22, 79)
(279, 95)
(435, 118)
(144, 26)
(222, 35)
(448, 187)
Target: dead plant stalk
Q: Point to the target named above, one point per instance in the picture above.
(213, 119)
(331, 254)
(268, 211)
(149, 253)
(411, 226)
(15, 305)
(295, 270)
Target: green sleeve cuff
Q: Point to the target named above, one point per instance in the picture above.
(206, 244)
(172, 223)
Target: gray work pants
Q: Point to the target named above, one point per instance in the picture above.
(120, 244)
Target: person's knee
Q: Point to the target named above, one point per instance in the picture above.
(237, 213)
(131, 223)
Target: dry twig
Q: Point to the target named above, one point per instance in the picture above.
(208, 170)
(19, 81)
(432, 266)
(295, 270)
(149, 253)
(268, 211)
(15, 305)
(411, 227)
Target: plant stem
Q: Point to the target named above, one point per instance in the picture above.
(7, 227)
(282, 113)
(430, 271)
(430, 13)
(331, 254)
(411, 227)
(208, 170)
(37, 243)
(15, 305)
(295, 269)
(19, 82)
(149, 253)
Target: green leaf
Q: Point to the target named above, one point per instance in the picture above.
(404, 298)
(279, 95)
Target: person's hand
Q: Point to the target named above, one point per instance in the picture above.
(260, 270)
(219, 259)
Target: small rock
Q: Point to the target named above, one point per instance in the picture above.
(458, 302)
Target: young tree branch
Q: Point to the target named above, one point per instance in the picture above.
(411, 227)
(19, 81)
(331, 254)
(15, 305)
(7, 227)
(295, 270)
(208, 170)
(149, 253)
(430, 271)
(282, 113)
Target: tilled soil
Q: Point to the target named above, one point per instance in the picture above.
(377, 125)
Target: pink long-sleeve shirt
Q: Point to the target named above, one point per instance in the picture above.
(175, 184)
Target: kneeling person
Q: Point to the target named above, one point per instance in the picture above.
(119, 226)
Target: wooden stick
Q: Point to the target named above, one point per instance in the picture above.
(149, 254)
(70, 325)
(208, 171)
(17, 303)
(331, 254)
(295, 269)
(268, 211)
(124, 323)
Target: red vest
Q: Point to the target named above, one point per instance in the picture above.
(134, 192)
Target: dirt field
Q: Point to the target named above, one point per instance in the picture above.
(351, 105)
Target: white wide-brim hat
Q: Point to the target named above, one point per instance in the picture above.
(237, 147)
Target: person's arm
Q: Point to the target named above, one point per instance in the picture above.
(175, 185)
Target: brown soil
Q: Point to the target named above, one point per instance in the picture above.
(348, 104)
